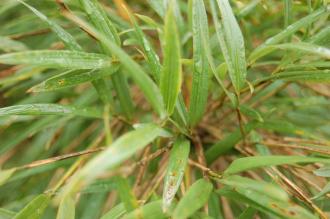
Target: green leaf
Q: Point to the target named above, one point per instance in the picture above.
(267, 205)
(152, 57)
(233, 46)
(177, 163)
(126, 194)
(67, 38)
(66, 209)
(103, 24)
(228, 142)
(171, 77)
(150, 210)
(196, 196)
(115, 213)
(5, 175)
(9, 45)
(310, 76)
(323, 171)
(248, 213)
(134, 70)
(34, 209)
(69, 79)
(200, 79)
(325, 190)
(123, 148)
(58, 59)
(248, 163)
(266, 188)
(100, 20)
(49, 109)
(304, 47)
(6, 214)
(290, 30)
(100, 186)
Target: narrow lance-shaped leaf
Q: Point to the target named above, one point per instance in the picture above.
(9, 45)
(152, 57)
(175, 170)
(115, 213)
(234, 49)
(303, 47)
(150, 210)
(266, 188)
(200, 80)
(290, 30)
(119, 151)
(49, 109)
(5, 175)
(102, 23)
(69, 79)
(126, 194)
(248, 163)
(99, 19)
(196, 196)
(134, 70)
(309, 76)
(58, 59)
(34, 209)
(171, 75)
(264, 203)
(67, 38)
(66, 209)
(6, 214)
(325, 190)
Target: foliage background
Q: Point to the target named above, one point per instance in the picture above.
(133, 109)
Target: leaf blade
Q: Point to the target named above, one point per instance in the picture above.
(177, 162)
(196, 196)
(58, 59)
(200, 79)
(171, 77)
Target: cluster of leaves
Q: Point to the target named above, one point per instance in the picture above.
(164, 109)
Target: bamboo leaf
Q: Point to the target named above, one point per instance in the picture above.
(67, 38)
(232, 46)
(200, 79)
(310, 76)
(5, 175)
(152, 57)
(103, 24)
(6, 214)
(303, 47)
(175, 170)
(49, 109)
(66, 209)
(134, 70)
(291, 29)
(58, 59)
(262, 187)
(35, 209)
(248, 163)
(69, 79)
(126, 194)
(148, 211)
(248, 213)
(264, 203)
(196, 196)
(120, 150)
(116, 212)
(9, 45)
(325, 190)
(171, 77)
